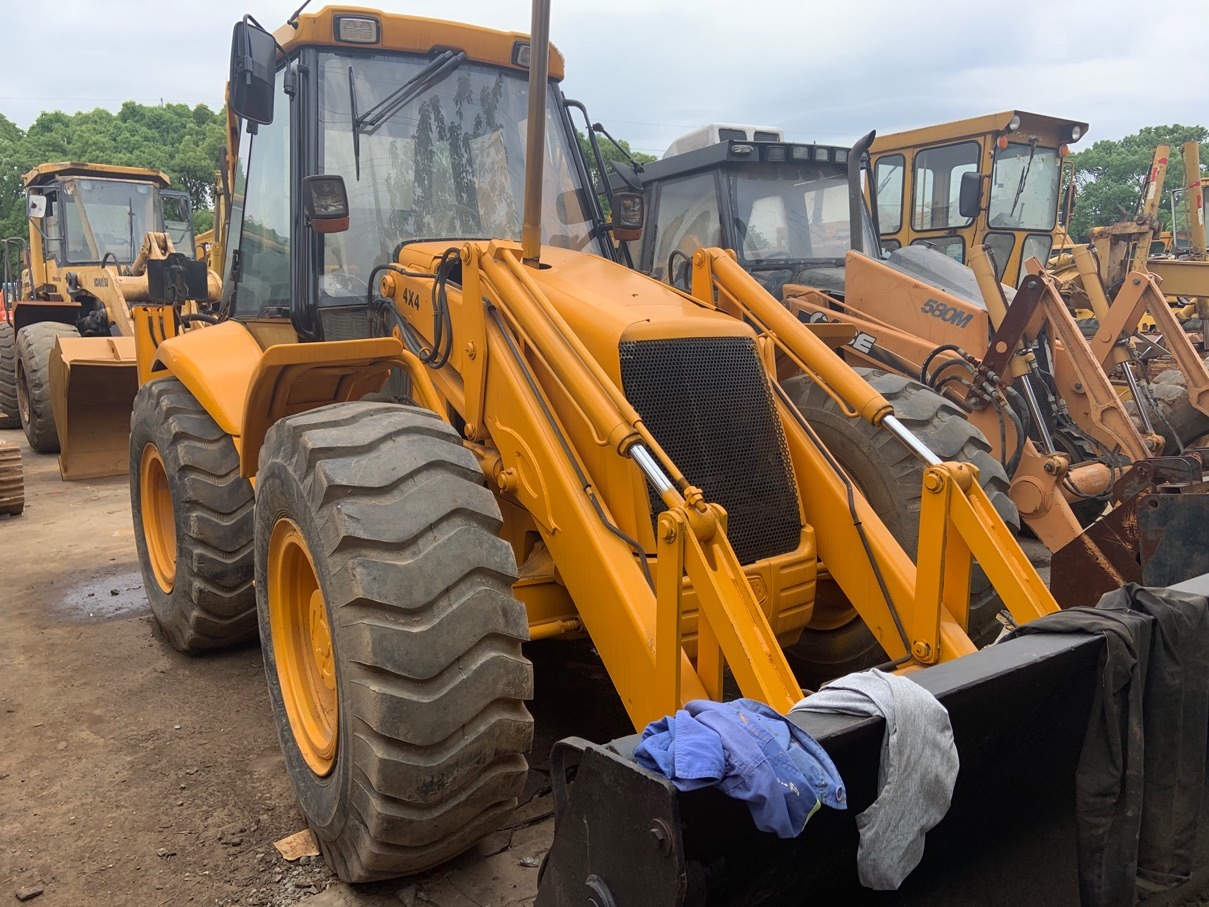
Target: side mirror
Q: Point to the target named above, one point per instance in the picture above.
(325, 202)
(969, 201)
(253, 62)
(35, 206)
(629, 212)
(564, 204)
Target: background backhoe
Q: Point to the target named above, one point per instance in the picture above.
(583, 451)
(100, 238)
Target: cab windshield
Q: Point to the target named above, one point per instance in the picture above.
(106, 216)
(793, 212)
(1024, 187)
(447, 164)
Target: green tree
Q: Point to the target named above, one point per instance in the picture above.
(1110, 174)
(183, 142)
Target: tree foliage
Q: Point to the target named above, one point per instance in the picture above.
(183, 142)
(1110, 174)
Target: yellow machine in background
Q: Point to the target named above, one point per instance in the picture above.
(101, 237)
(986, 181)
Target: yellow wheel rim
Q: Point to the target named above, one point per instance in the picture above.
(302, 647)
(159, 522)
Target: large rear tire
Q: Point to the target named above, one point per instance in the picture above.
(891, 478)
(392, 641)
(193, 517)
(9, 416)
(34, 345)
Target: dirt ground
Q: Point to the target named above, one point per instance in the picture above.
(133, 775)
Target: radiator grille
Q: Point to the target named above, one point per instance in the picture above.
(708, 403)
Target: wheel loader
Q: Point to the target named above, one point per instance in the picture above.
(100, 238)
(581, 451)
(1037, 402)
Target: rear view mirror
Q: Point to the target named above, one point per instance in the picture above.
(35, 207)
(970, 199)
(253, 61)
(325, 201)
(629, 212)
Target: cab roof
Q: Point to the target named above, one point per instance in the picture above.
(740, 152)
(47, 173)
(1054, 129)
(414, 34)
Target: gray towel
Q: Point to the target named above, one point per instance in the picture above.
(916, 776)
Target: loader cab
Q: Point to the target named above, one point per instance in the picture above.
(783, 207)
(992, 180)
(91, 215)
(420, 124)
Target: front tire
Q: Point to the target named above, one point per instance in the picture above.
(392, 641)
(34, 345)
(192, 520)
(837, 641)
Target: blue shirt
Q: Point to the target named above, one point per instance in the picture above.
(750, 753)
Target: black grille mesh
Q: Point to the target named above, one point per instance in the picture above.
(344, 323)
(708, 403)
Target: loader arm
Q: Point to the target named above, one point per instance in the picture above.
(511, 422)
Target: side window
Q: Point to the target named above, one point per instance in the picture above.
(937, 182)
(52, 228)
(264, 237)
(1036, 245)
(1001, 248)
(952, 246)
(178, 221)
(686, 220)
(889, 174)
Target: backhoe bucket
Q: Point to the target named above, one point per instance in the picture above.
(92, 383)
(1020, 711)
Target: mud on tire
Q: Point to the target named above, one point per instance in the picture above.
(208, 601)
(34, 345)
(891, 478)
(9, 416)
(431, 727)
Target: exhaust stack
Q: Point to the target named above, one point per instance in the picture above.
(535, 157)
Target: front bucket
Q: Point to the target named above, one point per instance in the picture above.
(92, 384)
(1019, 712)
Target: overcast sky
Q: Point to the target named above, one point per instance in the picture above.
(650, 71)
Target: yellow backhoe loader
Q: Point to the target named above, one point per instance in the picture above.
(100, 238)
(993, 184)
(584, 451)
(1023, 396)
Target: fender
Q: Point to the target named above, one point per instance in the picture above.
(246, 389)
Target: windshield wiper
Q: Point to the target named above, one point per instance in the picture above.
(1024, 176)
(130, 210)
(426, 79)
